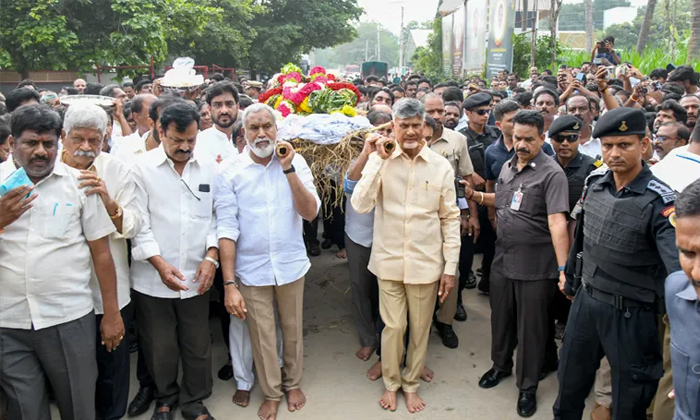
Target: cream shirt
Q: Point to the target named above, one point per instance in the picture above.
(177, 220)
(416, 224)
(45, 261)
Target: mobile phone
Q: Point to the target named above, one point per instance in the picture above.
(623, 69)
(581, 77)
(657, 85)
(598, 61)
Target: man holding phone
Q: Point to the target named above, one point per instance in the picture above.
(605, 49)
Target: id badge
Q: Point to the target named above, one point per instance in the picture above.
(517, 200)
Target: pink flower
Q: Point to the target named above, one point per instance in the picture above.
(317, 69)
(293, 76)
(331, 77)
(284, 109)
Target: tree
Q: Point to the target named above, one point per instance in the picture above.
(428, 60)
(646, 26)
(694, 41)
(355, 52)
(44, 34)
(554, 9)
(289, 28)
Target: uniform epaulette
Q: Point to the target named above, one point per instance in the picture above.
(600, 171)
(598, 163)
(663, 190)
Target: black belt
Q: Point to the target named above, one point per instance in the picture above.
(618, 302)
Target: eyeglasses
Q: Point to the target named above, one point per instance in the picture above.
(572, 138)
(481, 112)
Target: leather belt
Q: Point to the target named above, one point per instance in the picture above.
(618, 302)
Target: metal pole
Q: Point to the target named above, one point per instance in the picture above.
(379, 46)
(401, 45)
(366, 49)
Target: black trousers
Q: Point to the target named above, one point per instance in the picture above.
(311, 232)
(486, 243)
(630, 340)
(112, 388)
(173, 331)
(334, 219)
(466, 260)
(219, 308)
(519, 316)
(142, 374)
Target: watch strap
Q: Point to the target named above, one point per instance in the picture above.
(290, 170)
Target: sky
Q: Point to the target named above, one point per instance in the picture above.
(388, 12)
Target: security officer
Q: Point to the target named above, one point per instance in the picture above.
(479, 136)
(626, 241)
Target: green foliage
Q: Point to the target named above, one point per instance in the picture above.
(572, 16)
(354, 52)
(289, 28)
(428, 61)
(522, 53)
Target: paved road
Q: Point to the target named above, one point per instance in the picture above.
(335, 381)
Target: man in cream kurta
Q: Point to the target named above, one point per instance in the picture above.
(416, 243)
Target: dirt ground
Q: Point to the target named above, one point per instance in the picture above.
(334, 379)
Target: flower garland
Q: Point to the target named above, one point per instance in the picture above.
(317, 93)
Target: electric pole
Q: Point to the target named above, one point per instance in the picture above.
(401, 45)
(379, 45)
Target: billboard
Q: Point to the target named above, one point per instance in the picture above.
(475, 55)
(500, 53)
(458, 43)
(447, 44)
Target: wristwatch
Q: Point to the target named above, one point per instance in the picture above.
(289, 171)
(118, 214)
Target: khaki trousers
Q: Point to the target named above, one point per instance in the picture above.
(260, 301)
(396, 301)
(603, 384)
(663, 407)
(448, 308)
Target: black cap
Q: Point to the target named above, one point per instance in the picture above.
(621, 122)
(476, 100)
(566, 123)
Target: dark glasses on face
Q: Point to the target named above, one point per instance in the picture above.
(482, 112)
(570, 138)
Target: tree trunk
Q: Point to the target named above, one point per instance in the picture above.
(646, 26)
(533, 39)
(694, 41)
(524, 17)
(589, 24)
(555, 6)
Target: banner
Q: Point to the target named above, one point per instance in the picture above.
(477, 17)
(458, 44)
(447, 44)
(500, 55)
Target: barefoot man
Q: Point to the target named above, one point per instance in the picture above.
(416, 244)
(260, 201)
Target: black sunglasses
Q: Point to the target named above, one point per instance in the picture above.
(482, 112)
(572, 138)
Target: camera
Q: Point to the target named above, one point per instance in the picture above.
(459, 188)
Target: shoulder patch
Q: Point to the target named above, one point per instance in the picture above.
(602, 170)
(663, 190)
(598, 163)
(668, 211)
(672, 219)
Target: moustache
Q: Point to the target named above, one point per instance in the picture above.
(262, 140)
(184, 152)
(84, 153)
(37, 159)
(522, 150)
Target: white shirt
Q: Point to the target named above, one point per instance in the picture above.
(212, 143)
(116, 129)
(358, 226)
(45, 261)
(463, 122)
(121, 186)
(125, 148)
(255, 208)
(592, 148)
(178, 221)
(678, 170)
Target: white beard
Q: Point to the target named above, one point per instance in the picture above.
(262, 152)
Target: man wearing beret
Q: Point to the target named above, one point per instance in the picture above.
(624, 248)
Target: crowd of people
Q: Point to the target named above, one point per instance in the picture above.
(581, 190)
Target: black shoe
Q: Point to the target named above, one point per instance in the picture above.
(527, 404)
(167, 415)
(226, 372)
(484, 285)
(449, 338)
(142, 401)
(549, 366)
(314, 250)
(327, 243)
(492, 378)
(471, 281)
(461, 314)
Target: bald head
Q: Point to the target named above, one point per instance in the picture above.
(140, 106)
(80, 85)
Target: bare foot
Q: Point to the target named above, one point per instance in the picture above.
(375, 372)
(341, 254)
(388, 400)
(295, 400)
(241, 398)
(268, 410)
(364, 353)
(427, 374)
(414, 403)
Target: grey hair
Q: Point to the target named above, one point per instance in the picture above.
(109, 90)
(408, 108)
(430, 95)
(85, 115)
(255, 108)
